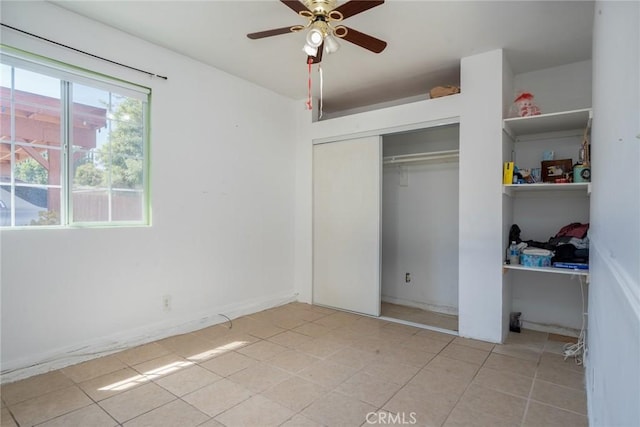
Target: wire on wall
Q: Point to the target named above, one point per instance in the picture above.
(84, 52)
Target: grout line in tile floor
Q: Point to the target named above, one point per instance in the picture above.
(340, 334)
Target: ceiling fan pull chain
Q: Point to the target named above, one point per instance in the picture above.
(309, 106)
(321, 86)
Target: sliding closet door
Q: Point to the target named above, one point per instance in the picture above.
(346, 224)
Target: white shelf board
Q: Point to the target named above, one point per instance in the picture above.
(509, 189)
(548, 270)
(545, 123)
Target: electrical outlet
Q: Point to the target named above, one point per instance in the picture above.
(166, 302)
(407, 277)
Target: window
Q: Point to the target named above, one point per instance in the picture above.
(73, 146)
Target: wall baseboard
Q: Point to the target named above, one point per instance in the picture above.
(59, 358)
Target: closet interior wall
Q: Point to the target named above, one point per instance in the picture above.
(420, 220)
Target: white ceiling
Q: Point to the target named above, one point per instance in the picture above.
(426, 40)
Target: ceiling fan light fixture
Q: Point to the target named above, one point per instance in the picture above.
(331, 45)
(315, 37)
(310, 50)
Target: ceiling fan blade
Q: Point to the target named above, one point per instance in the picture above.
(316, 59)
(269, 33)
(364, 40)
(295, 5)
(354, 7)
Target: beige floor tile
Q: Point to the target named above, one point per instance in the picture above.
(392, 372)
(460, 417)
(264, 330)
(300, 421)
(407, 356)
(558, 361)
(92, 415)
(6, 420)
(321, 347)
(527, 338)
(337, 320)
(192, 347)
(173, 414)
(543, 415)
(518, 351)
(511, 364)
(114, 383)
(211, 423)
(295, 393)
(132, 403)
(335, 409)
(428, 408)
(313, 330)
(217, 397)
(436, 335)
(560, 397)
(322, 310)
(400, 328)
(93, 368)
(262, 350)
(505, 382)
(425, 343)
(327, 374)
(456, 368)
(259, 377)
(501, 405)
(228, 363)
(480, 345)
(440, 382)
(353, 357)
(162, 366)
(465, 353)
(310, 315)
(292, 361)
(38, 385)
(290, 339)
(187, 380)
(556, 347)
(48, 406)
(561, 376)
(368, 388)
(143, 353)
(255, 411)
(286, 321)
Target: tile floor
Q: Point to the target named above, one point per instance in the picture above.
(300, 365)
(417, 315)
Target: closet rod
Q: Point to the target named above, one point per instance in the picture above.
(421, 157)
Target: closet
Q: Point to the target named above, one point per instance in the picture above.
(385, 225)
(420, 183)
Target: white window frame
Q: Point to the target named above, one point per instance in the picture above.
(69, 75)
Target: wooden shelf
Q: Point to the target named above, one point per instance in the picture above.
(553, 270)
(509, 189)
(544, 123)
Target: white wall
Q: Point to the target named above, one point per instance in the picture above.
(613, 371)
(480, 233)
(420, 223)
(222, 191)
(572, 81)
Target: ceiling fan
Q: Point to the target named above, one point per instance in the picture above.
(323, 33)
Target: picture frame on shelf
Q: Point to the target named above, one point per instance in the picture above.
(555, 169)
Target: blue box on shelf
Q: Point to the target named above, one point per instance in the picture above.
(535, 260)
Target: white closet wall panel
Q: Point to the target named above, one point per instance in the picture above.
(346, 224)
